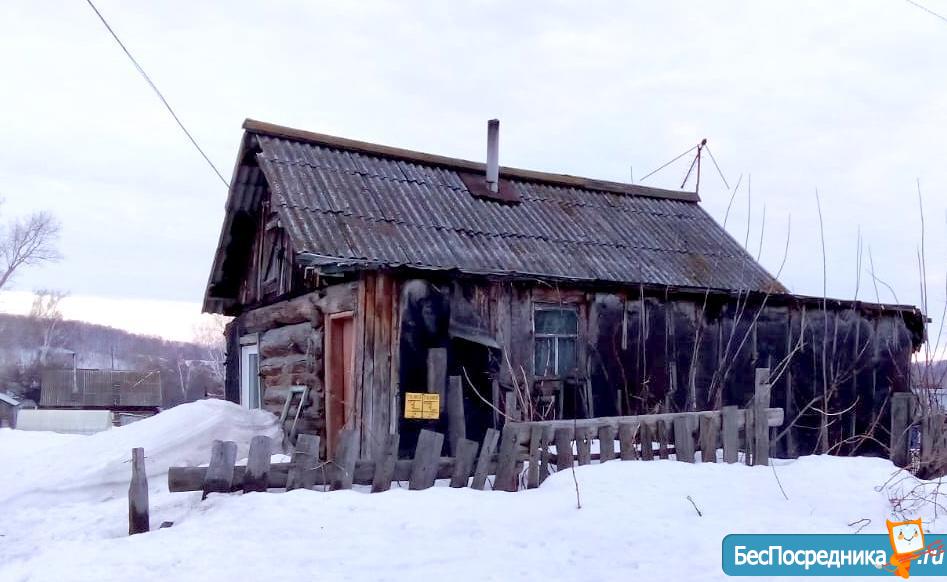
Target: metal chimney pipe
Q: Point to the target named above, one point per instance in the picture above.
(493, 154)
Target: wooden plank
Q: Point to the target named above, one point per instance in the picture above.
(761, 429)
(901, 417)
(483, 461)
(564, 457)
(708, 440)
(437, 374)
(305, 457)
(345, 457)
(426, 457)
(464, 462)
(219, 475)
(663, 439)
(456, 423)
(138, 519)
(385, 465)
(731, 434)
(381, 387)
(626, 440)
(583, 446)
(683, 440)
(647, 442)
(535, 458)
(507, 464)
(606, 443)
(365, 414)
(544, 455)
(749, 433)
(258, 464)
(511, 407)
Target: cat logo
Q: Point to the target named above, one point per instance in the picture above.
(907, 544)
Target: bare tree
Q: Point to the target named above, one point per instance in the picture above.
(209, 334)
(46, 312)
(27, 241)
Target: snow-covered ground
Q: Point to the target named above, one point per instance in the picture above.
(63, 515)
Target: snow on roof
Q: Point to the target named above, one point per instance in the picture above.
(4, 397)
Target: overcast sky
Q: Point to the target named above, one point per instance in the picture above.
(849, 98)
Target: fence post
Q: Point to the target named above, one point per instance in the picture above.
(219, 476)
(486, 457)
(345, 457)
(708, 439)
(606, 443)
(534, 467)
(305, 457)
(647, 445)
(564, 458)
(426, 459)
(761, 427)
(507, 464)
(464, 462)
(902, 414)
(385, 464)
(257, 476)
(731, 434)
(138, 494)
(626, 440)
(683, 439)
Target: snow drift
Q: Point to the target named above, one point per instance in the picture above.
(96, 467)
(635, 521)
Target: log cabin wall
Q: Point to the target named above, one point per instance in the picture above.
(290, 339)
(637, 351)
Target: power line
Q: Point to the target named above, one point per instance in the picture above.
(926, 9)
(158, 93)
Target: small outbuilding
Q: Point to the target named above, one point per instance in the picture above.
(9, 406)
(347, 265)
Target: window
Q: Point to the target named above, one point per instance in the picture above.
(556, 338)
(250, 393)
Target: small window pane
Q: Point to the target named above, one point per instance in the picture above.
(559, 321)
(567, 359)
(545, 364)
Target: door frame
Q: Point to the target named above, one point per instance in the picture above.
(249, 346)
(348, 397)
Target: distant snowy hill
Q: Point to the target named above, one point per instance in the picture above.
(187, 369)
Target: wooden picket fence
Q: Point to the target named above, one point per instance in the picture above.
(502, 455)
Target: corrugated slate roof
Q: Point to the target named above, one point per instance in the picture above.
(354, 205)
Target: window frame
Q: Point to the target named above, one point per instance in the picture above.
(537, 307)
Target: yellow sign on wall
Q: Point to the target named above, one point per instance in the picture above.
(422, 405)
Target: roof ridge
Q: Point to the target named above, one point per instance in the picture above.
(263, 128)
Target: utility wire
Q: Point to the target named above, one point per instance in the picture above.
(926, 9)
(158, 93)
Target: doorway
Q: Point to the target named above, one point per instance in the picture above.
(477, 365)
(340, 389)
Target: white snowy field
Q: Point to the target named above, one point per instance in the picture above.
(63, 515)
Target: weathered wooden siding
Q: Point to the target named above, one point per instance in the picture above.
(291, 344)
(376, 328)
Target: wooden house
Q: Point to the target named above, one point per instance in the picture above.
(347, 264)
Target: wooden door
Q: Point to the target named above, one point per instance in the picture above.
(339, 349)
